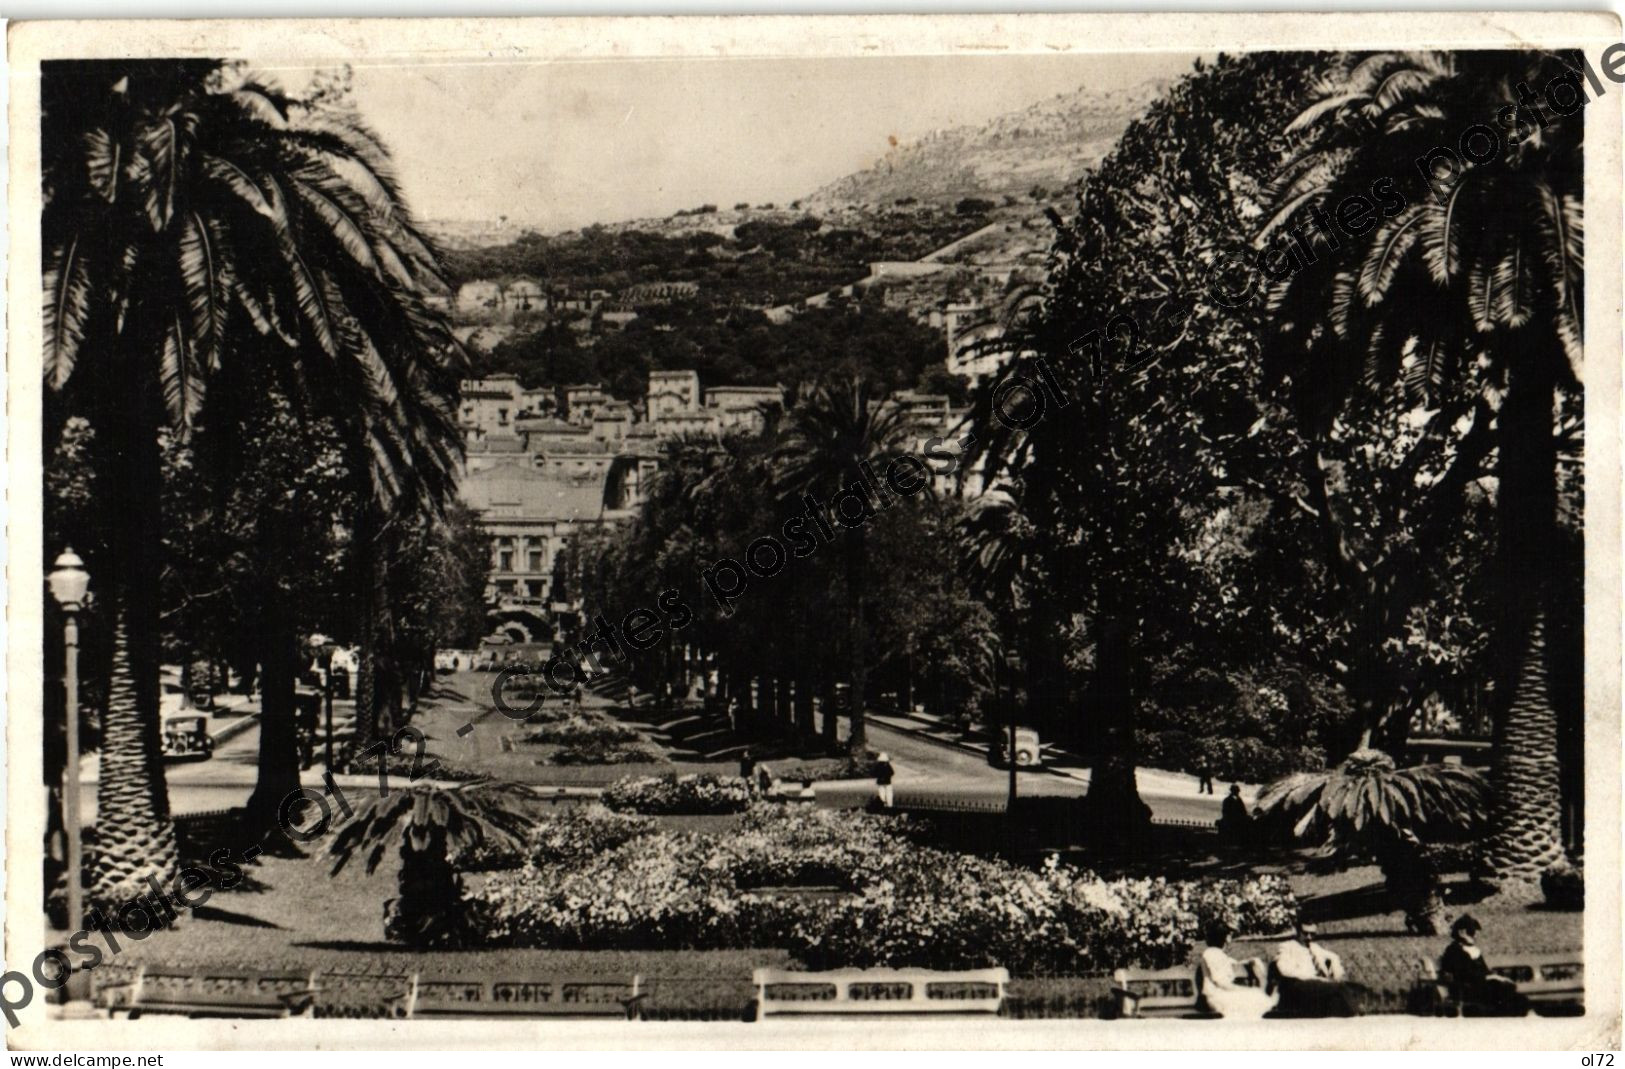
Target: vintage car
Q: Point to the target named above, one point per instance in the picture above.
(1029, 754)
(185, 737)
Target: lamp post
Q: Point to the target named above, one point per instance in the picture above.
(68, 582)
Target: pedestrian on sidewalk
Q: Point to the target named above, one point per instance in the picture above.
(883, 778)
(1204, 780)
(747, 765)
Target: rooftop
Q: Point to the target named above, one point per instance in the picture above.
(515, 492)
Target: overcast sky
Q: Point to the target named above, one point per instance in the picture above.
(563, 144)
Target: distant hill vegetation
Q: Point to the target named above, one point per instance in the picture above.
(752, 257)
(1043, 148)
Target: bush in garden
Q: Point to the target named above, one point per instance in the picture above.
(583, 730)
(1246, 760)
(826, 769)
(1564, 886)
(906, 904)
(582, 831)
(699, 794)
(606, 753)
(558, 836)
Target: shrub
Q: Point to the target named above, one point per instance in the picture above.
(903, 904)
(606, 753)
(559, 836)
(583, 831)
(827, 768)
(1564, 886)
(1247, 760)
(707, 793)
(582, 730)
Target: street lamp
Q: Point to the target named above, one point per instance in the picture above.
(69, 581)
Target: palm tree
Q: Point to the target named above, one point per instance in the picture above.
(828, 438)
(1475, 277)
(1367, 804)
(189, 209)
(434, 826)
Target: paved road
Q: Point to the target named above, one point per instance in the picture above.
(225, 780)
(923, 765)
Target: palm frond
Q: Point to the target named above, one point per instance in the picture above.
(67, 309)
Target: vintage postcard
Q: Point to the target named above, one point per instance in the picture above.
(786, 532)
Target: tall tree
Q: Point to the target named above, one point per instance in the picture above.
(1476, 276)
(829, 438)
(187, 204)
(1149, 388)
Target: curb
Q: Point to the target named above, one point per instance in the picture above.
(235, 728)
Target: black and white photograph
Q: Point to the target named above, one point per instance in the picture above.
(864, 531)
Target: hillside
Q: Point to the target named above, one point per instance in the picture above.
(1047, 145)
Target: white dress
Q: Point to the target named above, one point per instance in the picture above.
(1224, 995)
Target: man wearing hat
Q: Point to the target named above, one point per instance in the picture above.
(1310, 977)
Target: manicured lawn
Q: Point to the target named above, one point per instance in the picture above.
(291, 914)
(688, 741)
(297, 918)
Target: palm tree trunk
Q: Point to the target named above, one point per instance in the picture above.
(365, 687)
(1525, 789)
(764, 704)
(804, 707)
(830, 724)
(1413, 884)
(135, 835)
(279, 737)
(856, 567)
(1525, 785)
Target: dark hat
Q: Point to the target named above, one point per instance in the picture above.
(1466, 923)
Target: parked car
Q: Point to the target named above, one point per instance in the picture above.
(185, 737)
(1029, 753)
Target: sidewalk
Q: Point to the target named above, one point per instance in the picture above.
(1057, 761)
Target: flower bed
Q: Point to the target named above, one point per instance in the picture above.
(708, 793)
(578, 730)
(606, 753)
(826, 768)
(559, 837)
(904, 904)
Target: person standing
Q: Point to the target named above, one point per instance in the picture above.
(747, 765)
(1204, 780)
(883, 780)
(1234, 822)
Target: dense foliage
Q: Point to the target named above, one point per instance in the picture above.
(768, 258)
(882, 898)
(674, 794)
(728, 347)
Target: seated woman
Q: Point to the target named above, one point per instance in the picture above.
(1464, 970)
(1219, 990)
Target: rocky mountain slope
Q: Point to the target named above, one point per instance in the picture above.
(1048, 145)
